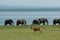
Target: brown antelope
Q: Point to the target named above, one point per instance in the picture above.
(35, 29)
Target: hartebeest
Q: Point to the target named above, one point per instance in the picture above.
(35, 29)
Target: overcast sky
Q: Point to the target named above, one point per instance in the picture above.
(49, 3)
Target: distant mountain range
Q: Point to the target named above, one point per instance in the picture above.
(27, 8)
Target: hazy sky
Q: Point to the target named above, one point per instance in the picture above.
(30, 2)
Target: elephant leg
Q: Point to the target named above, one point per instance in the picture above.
(10, 24)
(54, 24)
(38, 23)
(5, 24)
(17, 24)
(44, 23)
(22, 24)
(59, 23)
(47, 23)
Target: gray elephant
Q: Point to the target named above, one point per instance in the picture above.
(20, 22)
(43, 20)
(55, 21)
(35, 22)
(9, 21)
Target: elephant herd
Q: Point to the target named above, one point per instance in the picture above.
(40, 20)
(10, 22)
(34, 22)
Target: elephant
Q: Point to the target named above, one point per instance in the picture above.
(43, 20)
(9, 21)
(35, 21)
(21, 22)
(55, 21)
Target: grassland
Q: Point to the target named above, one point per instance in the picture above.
(25, 33)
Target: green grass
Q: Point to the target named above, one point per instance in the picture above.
(25, 33)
